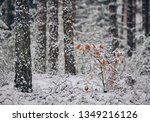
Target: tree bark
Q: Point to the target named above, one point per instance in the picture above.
(123, 18)
(74, 10)
(113, 23)
(53, 50)
(146, 16)
(68, 37)
(23, 73)
(40, 49)
(113, 18)
(7, 12)
(131, 23)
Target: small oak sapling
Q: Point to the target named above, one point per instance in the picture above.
(107, 61)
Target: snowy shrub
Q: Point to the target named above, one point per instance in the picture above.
(109, 65)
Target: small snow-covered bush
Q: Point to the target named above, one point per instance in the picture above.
(108, 65)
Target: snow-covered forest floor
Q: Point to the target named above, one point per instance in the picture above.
(70, 90)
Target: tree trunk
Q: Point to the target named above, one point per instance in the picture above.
(53, 50)
(146, 16)
(7, 12)
(113, 23)
(123, 16)
(131, 23)
(40, 49)
(68, 37)
(74, 10)
(23, 73)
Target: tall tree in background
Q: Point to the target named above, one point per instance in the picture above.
(123, 17)
(23, 73)
(40, 49)
(146, 16)
(7, 12)
(131, 23)
(74, 10)
(113, 23)
(1, 1)
(52, 22)
(68, 37)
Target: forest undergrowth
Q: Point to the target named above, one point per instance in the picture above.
(130, 87)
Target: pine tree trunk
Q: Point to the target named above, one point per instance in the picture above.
(68, 37)
(146, 16)
(40, 49)
(131, 23)
(113, 23)
(7, 13)
(53, 50)
(123, 18)
(23, 73)
(74, 10)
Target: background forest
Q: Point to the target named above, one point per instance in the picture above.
(75, 52)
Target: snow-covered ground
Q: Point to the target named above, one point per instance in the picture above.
(71, 90)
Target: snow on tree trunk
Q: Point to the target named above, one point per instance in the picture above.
(7, 12)
(113, 18)
(131, 23)
(74, 10)
(146, 16)
(23, 73)
(123, 18)
(40, 49)
(68, 37)
(52, 23)
(113, 23)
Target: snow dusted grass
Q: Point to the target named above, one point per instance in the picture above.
(70, 90)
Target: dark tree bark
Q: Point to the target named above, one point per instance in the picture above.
(7, 12)
(123, 18)
(68, 37)
(74, 10)
(40, 49)
(131, 23)
(1, 1)
(53, 49)
(113, 18)
(113, 23)
(146, 16)
(23, 73)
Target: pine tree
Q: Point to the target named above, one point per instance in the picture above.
(146, 16)
(68, 37)
(131, 23)
(113, 23)
(1, 1)
(7, 12)
(74, 10)
(23, 73)
(53, 50)
(123, 18)
(40, 49)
